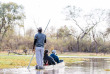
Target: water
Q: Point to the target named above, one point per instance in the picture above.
(91, 66)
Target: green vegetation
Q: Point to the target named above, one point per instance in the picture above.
(7, 54)
(84, 54)
(15, 61)
(69, 54)
(23, 61)
(107, 69)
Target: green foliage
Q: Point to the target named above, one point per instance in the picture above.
(22, 47)
(63, 32)
(11, 12)
(15, 61)
(10, 15)
(62, 40)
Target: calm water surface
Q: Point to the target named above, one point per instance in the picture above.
(91, 66)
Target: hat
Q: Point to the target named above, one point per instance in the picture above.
(54, 51)
(40, 28)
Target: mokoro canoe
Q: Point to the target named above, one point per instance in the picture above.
(59, 65)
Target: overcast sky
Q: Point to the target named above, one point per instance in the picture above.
(41, 11)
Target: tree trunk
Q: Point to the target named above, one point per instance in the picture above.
(96, 48)
(77, 44)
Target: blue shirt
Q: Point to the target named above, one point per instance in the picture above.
(55, 57)
(40, 39)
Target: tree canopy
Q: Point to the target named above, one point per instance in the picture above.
(11, 14)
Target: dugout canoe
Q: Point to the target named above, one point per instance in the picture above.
(59, 65)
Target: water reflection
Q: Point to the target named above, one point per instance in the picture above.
(91, 66)
(32, 71)
(39, 72)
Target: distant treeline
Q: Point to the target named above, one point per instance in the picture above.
(62, 39)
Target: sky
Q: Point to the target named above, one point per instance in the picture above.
(38, 12)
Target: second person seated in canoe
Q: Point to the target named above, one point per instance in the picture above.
(47, 59)
(54, 56)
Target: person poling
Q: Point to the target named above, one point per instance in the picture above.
(39, 41)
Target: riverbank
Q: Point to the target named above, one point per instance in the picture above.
(68, 54)
(23, 61)
(83, 54)
(15, 61)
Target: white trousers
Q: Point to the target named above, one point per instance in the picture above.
(39, 55)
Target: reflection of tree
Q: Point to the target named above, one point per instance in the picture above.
(91, 66)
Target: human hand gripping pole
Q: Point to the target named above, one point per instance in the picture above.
(33, 47)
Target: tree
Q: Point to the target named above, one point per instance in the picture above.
(30, 32)
(108, 20)
(10, 15)
(51, 32)
(63, 32)
(73, 13)
(94, 18)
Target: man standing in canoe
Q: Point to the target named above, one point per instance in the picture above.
(38, 47)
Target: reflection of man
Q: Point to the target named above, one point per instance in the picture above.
(39, 41)
(54, 56)
(39, 72)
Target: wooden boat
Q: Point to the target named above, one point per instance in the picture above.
(59, 65)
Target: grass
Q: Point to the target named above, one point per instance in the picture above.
(107, 69)
(15, 61)
(23, 61)
(6, 53)
(83, 54)
(70, 54)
